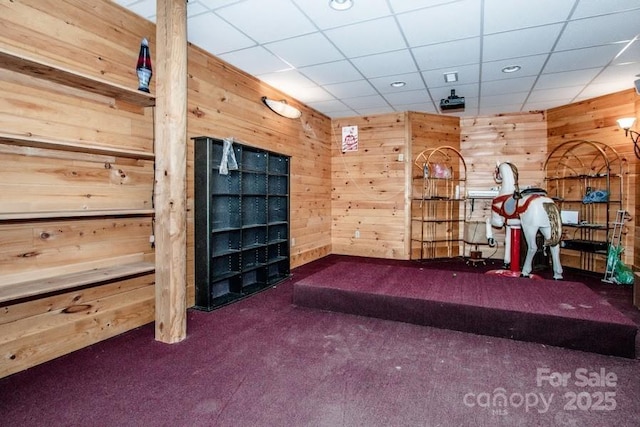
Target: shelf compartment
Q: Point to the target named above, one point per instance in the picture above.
(78, 146)
(278, 232)
(254, 183)
(585, 245)
(254, 257)
(278, 185)
(278, 165)
(254, 210)
(25, 216)
(225, 266)
(254, 236)
(253, 160)
(278, 209)
(225, 242)
(225, 184)
(95, 276)
(43, 69)
(224, 212)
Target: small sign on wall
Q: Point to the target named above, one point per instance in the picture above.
(349, 138)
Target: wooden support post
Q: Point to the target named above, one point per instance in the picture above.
(171, 167)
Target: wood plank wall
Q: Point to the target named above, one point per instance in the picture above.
(39, 179)
(428, 131)
(519, 138)
(225, 102)
(222, 102)
(369, 201)
(595, 120)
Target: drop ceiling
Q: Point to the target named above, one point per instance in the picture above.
(342, 63)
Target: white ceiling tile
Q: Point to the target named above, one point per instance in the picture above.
(325, 17)
(328, 106)
(408, 97)
(296, 50)
(447, 55)
(212, 34)
(375, 110)
(363, 49)
(441, 23)
(144, 8)
(530, 66)
(567, 78)
(400, 6)
(514, 44)
(367, 38)
(600, 30)
(383, 84)
(631, 54)
(624, 73)
(195, 8)
(290, 82)
(267, 21)
(313, 94)
(333, 72)
(507, 15)
(504, 99)
(351, 89)
(371, 101)
(558, 93)
(501, 87)
(587, 8)
(466, 74)
(385, 64)
(597, 89)
(580, 58)
(255, 60)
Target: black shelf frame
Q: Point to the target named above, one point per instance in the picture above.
(241, 220)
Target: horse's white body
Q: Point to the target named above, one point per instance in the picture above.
(536, 217)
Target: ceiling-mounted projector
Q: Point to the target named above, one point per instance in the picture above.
(452, 103)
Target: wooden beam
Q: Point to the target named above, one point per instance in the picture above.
(171, 170)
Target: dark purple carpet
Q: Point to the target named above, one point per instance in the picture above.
(560, 313)
(265, 362)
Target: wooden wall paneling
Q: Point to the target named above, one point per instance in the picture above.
(595, 120)
(77, 151)
(368, 191)
(427, 132)
(225, 102)
(520, 138)
(52, 330)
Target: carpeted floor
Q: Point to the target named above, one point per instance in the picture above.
(561, 313)
(265, 362)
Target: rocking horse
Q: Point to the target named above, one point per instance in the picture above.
(529, 210)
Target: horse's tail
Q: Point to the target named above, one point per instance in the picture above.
(555, 223)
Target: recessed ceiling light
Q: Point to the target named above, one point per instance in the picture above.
(511, 69)
(398, 84)
(451, 77)
(341, 4)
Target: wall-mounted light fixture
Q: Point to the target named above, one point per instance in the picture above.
(626, 123)
(282, 108)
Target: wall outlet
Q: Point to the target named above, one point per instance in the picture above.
(401, 157)
(293, 241)
(357, 234)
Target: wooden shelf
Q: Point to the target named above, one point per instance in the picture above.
(28, 140)
(95, 276)
(15, 216)
(44, 70)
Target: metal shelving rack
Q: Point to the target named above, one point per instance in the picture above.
(573, 170)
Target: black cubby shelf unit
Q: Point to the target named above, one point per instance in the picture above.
(241, 222)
